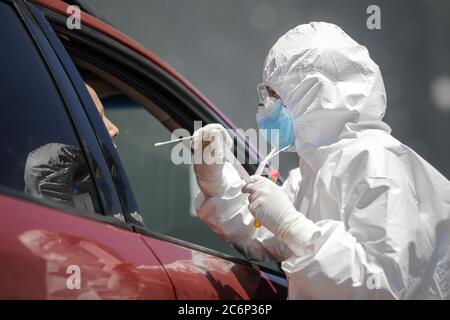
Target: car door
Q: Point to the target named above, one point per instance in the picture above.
(63, 233)
(200, 264)
(148, 102)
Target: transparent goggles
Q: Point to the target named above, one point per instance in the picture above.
(265, 93)
(262, 94)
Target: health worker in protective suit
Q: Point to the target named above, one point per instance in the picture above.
(364, 217)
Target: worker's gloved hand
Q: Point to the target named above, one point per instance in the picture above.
(271, 206)
(211, 143)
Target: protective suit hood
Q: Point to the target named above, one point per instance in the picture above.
(328, 82)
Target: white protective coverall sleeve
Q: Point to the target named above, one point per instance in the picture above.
(229, 217)
(383, 211)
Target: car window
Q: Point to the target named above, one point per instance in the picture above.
(164, 191)
(40, 153)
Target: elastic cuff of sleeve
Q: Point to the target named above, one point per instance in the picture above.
(300, 234)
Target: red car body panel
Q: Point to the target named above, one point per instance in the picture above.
(39, 244)
(198, 275)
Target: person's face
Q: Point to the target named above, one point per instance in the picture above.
(111, 127)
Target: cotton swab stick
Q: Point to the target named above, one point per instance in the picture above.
(172, 141)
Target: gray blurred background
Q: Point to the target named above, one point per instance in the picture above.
(220, 47)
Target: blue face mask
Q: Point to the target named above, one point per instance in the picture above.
(278, 124)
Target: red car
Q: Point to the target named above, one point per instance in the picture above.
(81, 219)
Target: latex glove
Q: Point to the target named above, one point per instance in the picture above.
(210, 145)
(272, 207)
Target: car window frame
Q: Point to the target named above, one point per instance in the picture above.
(104, 142)
(84, 134)
(102, 42)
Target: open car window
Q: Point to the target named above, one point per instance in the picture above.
(164, 191)
(133, 87)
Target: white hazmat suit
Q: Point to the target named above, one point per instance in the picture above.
(373, 215)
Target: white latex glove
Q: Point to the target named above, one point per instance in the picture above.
(209, 167)
(272, 207)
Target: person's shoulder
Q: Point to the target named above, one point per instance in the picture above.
(294, 175)
(367, 155)
(372, 142)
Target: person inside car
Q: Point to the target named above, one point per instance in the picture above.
(58, 172)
